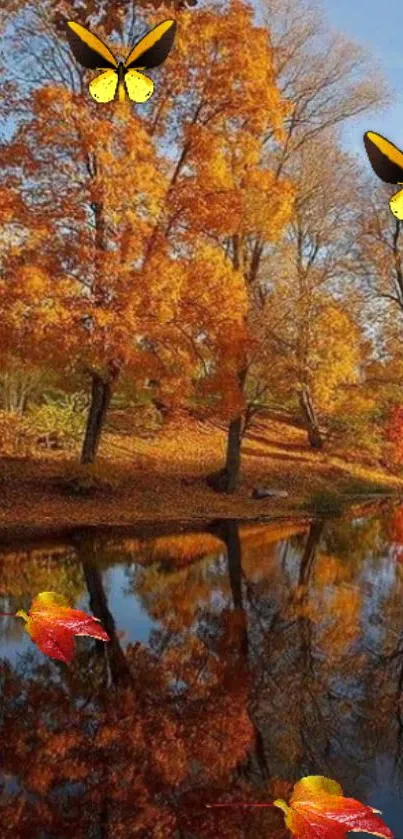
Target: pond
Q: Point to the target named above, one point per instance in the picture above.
(242, 658)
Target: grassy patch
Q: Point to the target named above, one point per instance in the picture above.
(332, 501)
(325, 502)
(355, 486)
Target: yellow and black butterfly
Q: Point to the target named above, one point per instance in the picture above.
(387, 162)
(125, 77)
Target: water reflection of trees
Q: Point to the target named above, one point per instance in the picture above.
(278, 652)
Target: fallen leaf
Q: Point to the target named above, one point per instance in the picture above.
(319, 810)
(52, 625)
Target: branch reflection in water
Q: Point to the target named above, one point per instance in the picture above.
(241, 659)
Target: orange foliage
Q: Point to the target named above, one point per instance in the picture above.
(394, 433)
(123, 261)
(396, 533)
(181, 550)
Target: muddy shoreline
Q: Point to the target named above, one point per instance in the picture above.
(40, 532)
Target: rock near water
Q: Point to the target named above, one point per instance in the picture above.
(267, 492)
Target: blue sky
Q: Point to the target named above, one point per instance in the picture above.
(377, 25)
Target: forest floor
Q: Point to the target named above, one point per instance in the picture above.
(162, 480)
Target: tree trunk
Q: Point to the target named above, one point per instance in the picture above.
(101, 392)
(310, 419)
(233, 458)
(234, 560)
(12, 393)
(230, 535)
(118, 665)
(311, 547)
(226, 479)
(229, 532)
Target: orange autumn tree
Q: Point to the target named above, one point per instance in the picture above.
(152, 240)
(83, 174)
(97, 182)
(324, 80)
(222, 184)
(30, 308)
(118, 17)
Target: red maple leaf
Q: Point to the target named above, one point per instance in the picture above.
(52, 625)
(319, 810)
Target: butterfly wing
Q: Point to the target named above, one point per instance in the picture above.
(385, 158)
(154, 48)
(89, 50)
(396, 205)
(139, 87)
(103, 88)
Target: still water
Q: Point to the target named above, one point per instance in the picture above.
(241, 658)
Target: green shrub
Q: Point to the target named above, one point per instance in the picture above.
(325, 502)
(57, 423)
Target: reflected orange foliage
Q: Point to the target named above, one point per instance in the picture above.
(183, 549)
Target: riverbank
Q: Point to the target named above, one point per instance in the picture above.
(162, 480)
